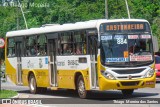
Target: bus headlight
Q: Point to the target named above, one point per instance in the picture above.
(149, 73)
(108, 75)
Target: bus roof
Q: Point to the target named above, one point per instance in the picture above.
(66, 27)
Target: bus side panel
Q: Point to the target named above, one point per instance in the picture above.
(68, 66)
(86, 78)
(41, 76)
(38, 67)
(11, 69)
(66, 79)
(25, 76)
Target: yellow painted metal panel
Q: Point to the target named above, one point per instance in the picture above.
(66, 78)
(41, 76)
(106, 84)
(11, 71)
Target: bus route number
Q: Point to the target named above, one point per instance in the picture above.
(72, 62)
(121, 41)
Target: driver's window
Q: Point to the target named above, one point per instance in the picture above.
(139, 45)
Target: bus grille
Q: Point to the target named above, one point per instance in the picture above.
(129, 71)
(134, 83)
(126, 77)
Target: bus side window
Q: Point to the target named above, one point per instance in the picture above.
(31, 45)
(84, 48)
(78, 49)
(67, 43)
(59, 45)
(41, 45)
(28, 52)
(11, 47)
(80, 42)
(72, 43)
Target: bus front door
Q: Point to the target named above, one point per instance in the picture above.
(19, 62)
(52, 52)
(93, 48)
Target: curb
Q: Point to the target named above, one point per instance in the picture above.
(23, 95)
(16, 96)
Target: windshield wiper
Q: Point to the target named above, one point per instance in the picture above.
(143, 53)
(137, 63)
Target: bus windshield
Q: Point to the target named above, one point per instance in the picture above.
(126, 50)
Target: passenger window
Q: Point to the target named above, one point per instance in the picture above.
(66, 43)
(11, 47)
(80, 42)
(31, 46)
(66, 37)
(42, 45)
(72, 43)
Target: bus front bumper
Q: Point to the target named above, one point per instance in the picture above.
(105, 84)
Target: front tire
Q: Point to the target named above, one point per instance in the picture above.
(82, 92)
(127, 92)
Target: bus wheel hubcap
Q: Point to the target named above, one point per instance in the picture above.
(32, 84)
(81, 88)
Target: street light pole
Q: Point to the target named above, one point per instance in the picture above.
(127, 9)
(19, 4)
(106, 9)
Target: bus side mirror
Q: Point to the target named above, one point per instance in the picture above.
(155, 44)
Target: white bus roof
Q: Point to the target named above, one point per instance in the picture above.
(66, 27)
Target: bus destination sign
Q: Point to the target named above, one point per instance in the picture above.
(125, 27)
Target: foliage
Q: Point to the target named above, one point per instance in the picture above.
(70, 11)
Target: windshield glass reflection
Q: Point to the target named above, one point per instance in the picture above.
(126, 49)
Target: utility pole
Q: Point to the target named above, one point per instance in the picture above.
(106, 9)
(17, 18)
(19, 4)
(127, 9)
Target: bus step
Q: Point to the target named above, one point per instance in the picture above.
(54, 88)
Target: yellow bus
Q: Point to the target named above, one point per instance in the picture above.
(84, 56)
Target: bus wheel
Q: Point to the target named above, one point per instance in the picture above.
(81, 87)
(32, 84)
(127, 92)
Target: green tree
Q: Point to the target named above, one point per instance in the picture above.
(70, 11)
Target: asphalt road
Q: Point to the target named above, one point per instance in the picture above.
(97, 98)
